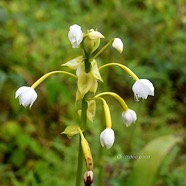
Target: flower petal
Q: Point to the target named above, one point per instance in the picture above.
(21, 90)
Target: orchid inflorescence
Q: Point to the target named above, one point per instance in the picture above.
(88, 77)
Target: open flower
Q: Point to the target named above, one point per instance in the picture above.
(142, 88)
(118, 44)
(129, 117)
(107, 138)
(26, 96)
(75, 35)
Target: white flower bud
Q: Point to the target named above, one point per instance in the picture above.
(118, 44)
(107, 138)
(75, 35)
(142, 88)
(129, 117)
(88, 177)
(26, 96)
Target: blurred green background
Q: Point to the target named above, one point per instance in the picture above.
(33, 41)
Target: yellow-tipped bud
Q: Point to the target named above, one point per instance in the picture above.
(86, 151)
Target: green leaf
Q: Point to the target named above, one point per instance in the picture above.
(71, 130)
(149, 160)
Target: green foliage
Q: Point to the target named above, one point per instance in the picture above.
(33, 41)
(149, 160)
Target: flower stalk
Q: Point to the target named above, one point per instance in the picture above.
(104, 47)
(116, 96)
(40, 80)
(123, 67)
(107, 112)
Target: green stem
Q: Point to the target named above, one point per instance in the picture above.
(87, 63)
(80, 155)
(80, 164)
(123, 67)
(84, 107)
(100, 166)
(100, 51)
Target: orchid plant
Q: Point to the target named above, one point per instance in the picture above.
(87, 74)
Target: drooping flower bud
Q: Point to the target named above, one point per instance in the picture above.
(142, 88)
(107, 138)
(129, 117)
(26, 96)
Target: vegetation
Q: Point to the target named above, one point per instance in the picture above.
(33, 41)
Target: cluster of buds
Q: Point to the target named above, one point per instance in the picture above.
(87, 74)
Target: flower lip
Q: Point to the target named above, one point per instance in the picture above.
(26, 96)
(142, 88)
(107, 138)
(75, 35)
(129, 117)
